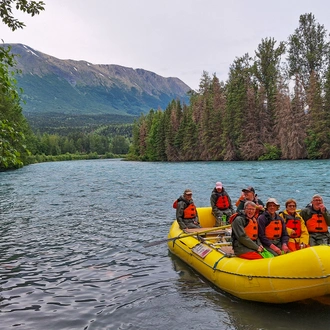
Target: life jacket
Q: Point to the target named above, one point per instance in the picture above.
(233, 217)
(293, 222)
(316, 224)
(222, 202)
(250, 227)
(274, 229)
(190, 212)
(175, 203)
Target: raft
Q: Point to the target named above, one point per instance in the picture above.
(287, 278)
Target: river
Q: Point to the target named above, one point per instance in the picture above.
(72, 252)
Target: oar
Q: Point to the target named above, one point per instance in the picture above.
(186, 235)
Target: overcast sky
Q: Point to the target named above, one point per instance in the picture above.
(173, 38)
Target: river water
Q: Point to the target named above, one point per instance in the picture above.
(72, 252)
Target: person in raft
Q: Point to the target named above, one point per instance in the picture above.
(222, 207)
(272, 230)
(317, 220)
(186, 213)
(249, 194)
(295, 226)
(246, 243)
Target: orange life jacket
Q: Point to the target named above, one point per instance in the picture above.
(251, 229)
(190, 212)
(317, 224)
(274, 229)
(233, 217)
(222, 202)
(293, 222)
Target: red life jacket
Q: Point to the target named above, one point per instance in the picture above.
(190, 212)
(317, 224)
(293, 222)
(274, 229)
(175, 204)
(222, 202)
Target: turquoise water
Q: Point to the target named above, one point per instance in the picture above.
(72, 236)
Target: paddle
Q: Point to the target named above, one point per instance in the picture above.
(186, 235)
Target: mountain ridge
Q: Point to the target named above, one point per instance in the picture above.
(52, 85)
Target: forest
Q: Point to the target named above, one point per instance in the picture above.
(274, 105)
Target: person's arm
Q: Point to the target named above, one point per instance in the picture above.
(216, 212)
(197, 217)
(326, 216)
(179, 214)
(304, 236)
(241, 198)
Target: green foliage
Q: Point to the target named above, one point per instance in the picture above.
(308, 49)
(272, 153)
(313, 145)
(119, 145)
(13, 126)
(10, 139)
(30, 7)
(69, 156)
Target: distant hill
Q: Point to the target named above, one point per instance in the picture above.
(74, 88)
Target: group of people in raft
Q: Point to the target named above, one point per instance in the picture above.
(257, 226)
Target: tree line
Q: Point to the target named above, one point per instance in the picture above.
(274, 105)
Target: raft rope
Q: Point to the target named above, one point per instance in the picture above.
(250, 277)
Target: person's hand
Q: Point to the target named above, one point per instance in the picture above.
(303, 246)
(275, 249)
(260, 248)
(322, 208)
(285, 248)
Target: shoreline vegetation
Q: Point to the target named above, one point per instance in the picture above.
(274, 105)
(35, 159)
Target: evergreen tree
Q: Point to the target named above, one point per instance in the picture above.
(308, 50)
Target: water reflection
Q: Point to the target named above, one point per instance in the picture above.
(252, 315)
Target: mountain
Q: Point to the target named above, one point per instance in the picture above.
(79, 88)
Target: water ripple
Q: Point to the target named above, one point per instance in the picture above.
(72, 236)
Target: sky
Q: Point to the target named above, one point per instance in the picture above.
(172, 38)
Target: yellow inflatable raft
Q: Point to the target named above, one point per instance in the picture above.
(291, 277)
